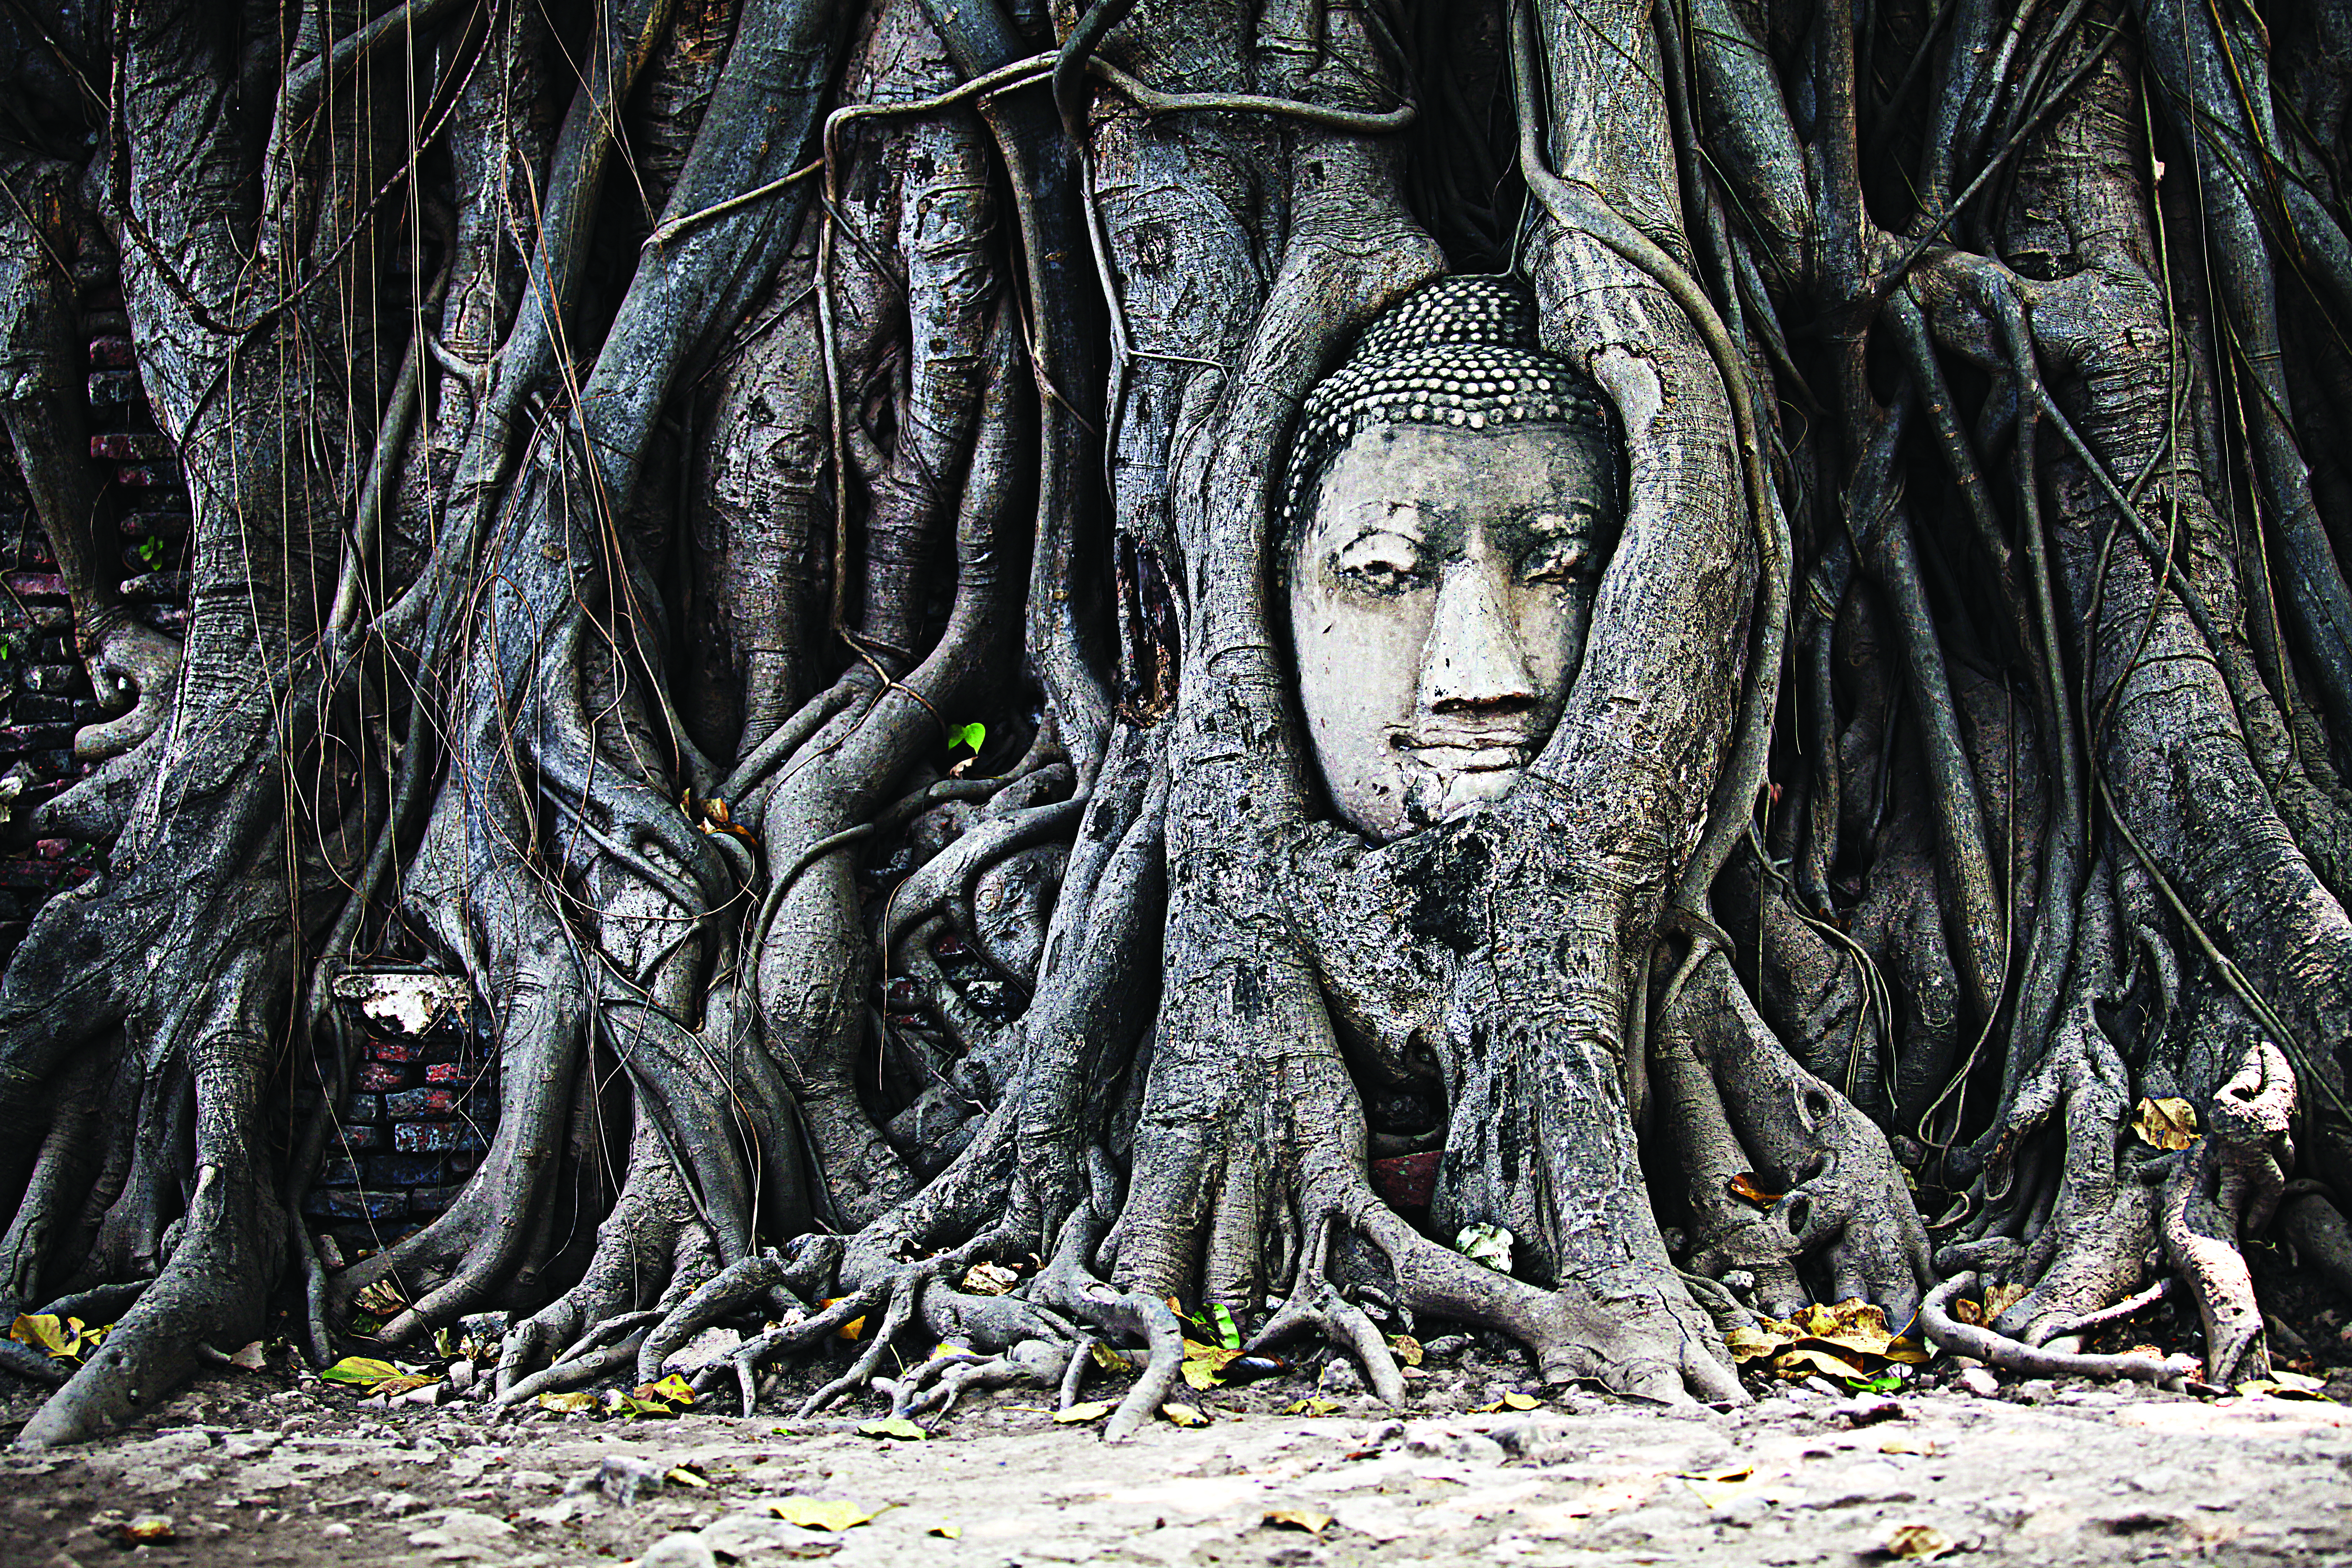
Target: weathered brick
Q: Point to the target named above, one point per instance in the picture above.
(36, 584)
(354, 1203)
(147, 476)
(425, 1050)
(406, 1170)
(39, 874)
(429, 1137)
(337, 1172)
(364, 1108)
(112, 353)
(432, 1200)
(450, 1072)
(360, 1138)
(15, 740)
(133, 446)
(410, 1103)
(1407, 1182)
(377, 1077)
(114, 389)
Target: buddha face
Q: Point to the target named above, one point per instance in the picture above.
(1440, 593)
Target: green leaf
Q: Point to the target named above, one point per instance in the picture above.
(973, 735)
(1228, 1331)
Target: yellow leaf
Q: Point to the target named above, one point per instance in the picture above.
(1796, 1360)
(1917, 1542)
(2166, 1123)
(1078, 1414)
(579, 1404)
(1519, 1401)
(1907, 1351)
(1752, 1344)
(892, 1427)
(43, 1331)
(1486, 1409)
(1310, 1407)
(1904, 1442)
(360, 1369)
(2284, 1386)
(1183, 1414)
(674, 1388)
(1719, 1475)
(678, 1475)
(1855, 1326)
(1406, 1348)
(828, 1513)
(946, 1531)
(1304, 1519)
(850, 1330)
(1108, 1359)
(1203, 1362)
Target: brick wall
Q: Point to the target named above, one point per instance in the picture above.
(418, 1120)
(426, 1101)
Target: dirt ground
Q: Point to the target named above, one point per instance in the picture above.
(275, 1467)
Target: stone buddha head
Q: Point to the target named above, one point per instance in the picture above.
(1452, 497)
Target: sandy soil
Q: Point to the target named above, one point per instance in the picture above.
(277, 1468)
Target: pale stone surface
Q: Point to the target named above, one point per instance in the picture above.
(2091, 1475)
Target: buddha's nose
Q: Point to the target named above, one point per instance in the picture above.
(1473, 665)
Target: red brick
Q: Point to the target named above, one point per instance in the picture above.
(1407, 1182)
(376, 1078)
(36, 585)
(444, 1072)
(131, 447)
(112, 353)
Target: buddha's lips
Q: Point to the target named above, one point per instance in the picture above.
(1469, 753)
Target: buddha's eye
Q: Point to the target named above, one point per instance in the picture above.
(1560, 559)
(1380, 563)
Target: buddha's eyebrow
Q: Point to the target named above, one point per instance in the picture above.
(1559, 519)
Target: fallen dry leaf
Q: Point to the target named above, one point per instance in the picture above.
(147, 1529)
(1078, 1414)
(892, 1426)
(2000, 1299)
(1753, 1344)
(1310, 1407)
(1304, 1519)
(1904, 1442)
(826, 1513)
(1183, 1414)
(1917, 1542)
(1108, 1359)
(1719, 1475)
(1406, 1348)
(250, 1358)
(678, 1475)
(1519, 1401)
(1800, 1361)
(989, 1279)
(1745, 1186)
(2166, 1123)
(2284, 1384)
(568, 1403)
(946, 1531)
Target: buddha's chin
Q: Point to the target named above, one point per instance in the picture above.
(1433, 794)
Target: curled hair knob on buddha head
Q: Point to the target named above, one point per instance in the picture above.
(1461, 352)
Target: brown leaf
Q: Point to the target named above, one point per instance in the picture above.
(2166, 1123)
(1967, 1311)
(147, 1529)
(1407, 1349)
(1798, 1361)
(1745, 1186)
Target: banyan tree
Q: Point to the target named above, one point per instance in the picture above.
(992, 632)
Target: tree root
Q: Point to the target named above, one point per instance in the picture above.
(2015, 1355)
